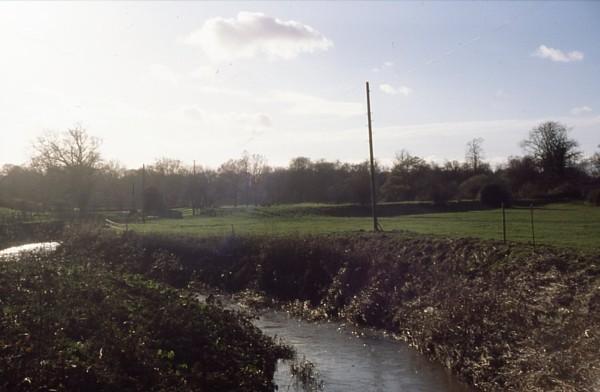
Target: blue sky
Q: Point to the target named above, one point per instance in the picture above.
(206, 81)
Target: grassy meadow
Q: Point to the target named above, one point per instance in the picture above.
(562, 224)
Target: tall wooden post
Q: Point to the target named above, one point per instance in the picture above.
(143, 193)
(503, 223)
(373, 194)
(133, 204)
(194, 189)
(532, 227)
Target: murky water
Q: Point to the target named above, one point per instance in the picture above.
(15, 251)
(347, 361)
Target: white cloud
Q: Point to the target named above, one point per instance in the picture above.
(162, 73)
(580, 110)
(302, 104)
(295, 103)
(204, 72)
(226, 120)
(388, 64)
(391, 90)
(252, 34)
(558, 55)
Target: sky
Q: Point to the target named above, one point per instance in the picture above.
(207, 81)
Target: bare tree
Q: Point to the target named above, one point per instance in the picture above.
(257, 168)
(76, 155)
(596, 162)
(474, 155)
(73, 149)
(550, 146)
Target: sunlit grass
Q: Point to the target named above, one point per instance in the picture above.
(572, 225)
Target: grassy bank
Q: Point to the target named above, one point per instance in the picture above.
(566, 225)
(69, 322)
(499, 316)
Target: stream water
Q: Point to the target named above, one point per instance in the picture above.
(15, 251)
(347, 359)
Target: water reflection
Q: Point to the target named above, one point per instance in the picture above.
(15, 251)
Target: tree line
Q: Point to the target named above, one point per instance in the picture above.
(67, 173)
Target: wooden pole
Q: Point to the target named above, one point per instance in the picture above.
(373, 194)
(143, 189)
(133, 195)
(194, 189)
(532, 227)
(503, 223)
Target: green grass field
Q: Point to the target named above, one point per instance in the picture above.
(566, 225)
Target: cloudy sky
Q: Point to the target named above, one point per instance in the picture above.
(206, 81)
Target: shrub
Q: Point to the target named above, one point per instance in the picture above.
(440, 194)
(82, 326)
(593, 197)
(494, 195)
(469, 188)
(166, 267)
(530, 190)
(566, 190)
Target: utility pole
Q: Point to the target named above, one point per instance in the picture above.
(143, 193)
(376, 226)
(503, 223)
(194, 189)
(133, 195)
(532, 227)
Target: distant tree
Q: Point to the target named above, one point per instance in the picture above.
(495, 195)
(154, 202)
(300, 177)
(552, 149)
(474, 155)
(358, 183)
(520, 172)
(74, 153)
(168, 166)
(230, 182)
(257, 169)
(408, 180)
(595, 161)
(469, 188)
(171, 177)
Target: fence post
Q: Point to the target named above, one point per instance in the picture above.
(532, 226)
(503, 223)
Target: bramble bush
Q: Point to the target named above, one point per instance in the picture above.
(71, 325)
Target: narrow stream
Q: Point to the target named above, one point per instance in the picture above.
(347, 359)
(348, 362)
(15, 251)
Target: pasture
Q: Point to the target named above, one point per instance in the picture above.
(573, 225)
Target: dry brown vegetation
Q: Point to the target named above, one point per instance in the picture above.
(499, 316)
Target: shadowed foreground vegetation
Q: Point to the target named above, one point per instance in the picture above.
(70, 323)
(94, 315)
(497, 315)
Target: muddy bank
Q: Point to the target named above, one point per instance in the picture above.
(499, 316)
